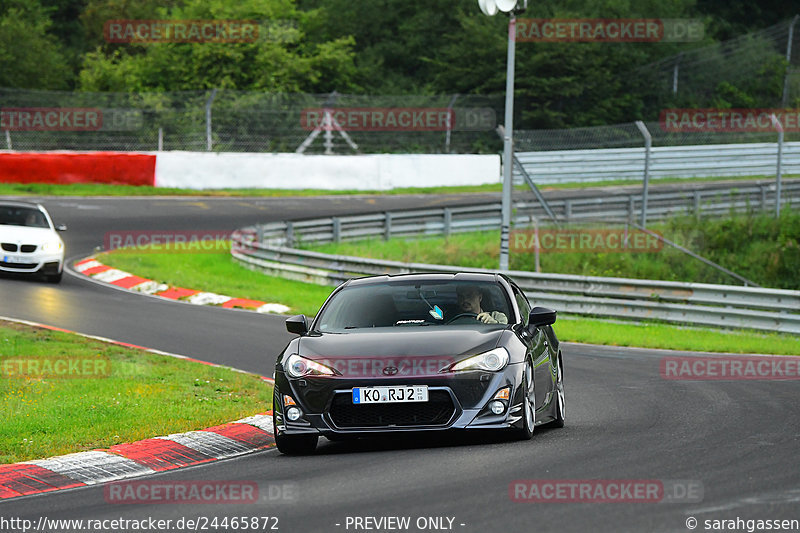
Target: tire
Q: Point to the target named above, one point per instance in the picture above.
(561, 404)
(528, 405)
(293, 444)
(54, 278)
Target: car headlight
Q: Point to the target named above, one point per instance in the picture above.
(298, 367)
(52, 246)
(491, 361)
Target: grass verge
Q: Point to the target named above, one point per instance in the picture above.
(670, 337)
(120, 394)
(100, 189)
(218, 273)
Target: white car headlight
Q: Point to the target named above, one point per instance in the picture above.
(298, 367)
(491, 361)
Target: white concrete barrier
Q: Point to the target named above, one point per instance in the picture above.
(211, 170)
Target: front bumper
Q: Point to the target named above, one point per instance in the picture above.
(325, 410)
(37, 262)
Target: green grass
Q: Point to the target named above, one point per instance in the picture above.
(219, 273)
(761, 248)
(664, 336)
(143, 395)
(98, 189)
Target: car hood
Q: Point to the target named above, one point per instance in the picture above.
(25, 234)
(412, 351)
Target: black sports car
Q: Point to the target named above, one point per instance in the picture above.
(418, 352)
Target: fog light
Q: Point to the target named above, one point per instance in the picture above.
(497, 407)
(293, 413)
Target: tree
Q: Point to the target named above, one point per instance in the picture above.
(29, 55)
(284, 58)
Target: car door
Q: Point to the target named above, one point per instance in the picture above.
(537, 351)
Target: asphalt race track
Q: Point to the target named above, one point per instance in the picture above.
(733, 445)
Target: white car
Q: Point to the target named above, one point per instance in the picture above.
(29, 241)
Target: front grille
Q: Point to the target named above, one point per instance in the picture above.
(437, 411)
(21, 266)
(28, 248)
(9, 247)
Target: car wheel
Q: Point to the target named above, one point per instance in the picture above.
(294, 444)
(561, 404)
(54, 278)
(528, 404)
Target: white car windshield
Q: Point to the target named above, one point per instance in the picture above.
(22, 216)
(392, 304)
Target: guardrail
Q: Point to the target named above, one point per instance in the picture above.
(268, 248)
(447, 220)
(694, 303)
(753, 159)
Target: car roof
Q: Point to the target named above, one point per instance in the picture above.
(426, 277)
(16, 203)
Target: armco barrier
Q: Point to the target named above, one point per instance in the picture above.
(692, 303)
(752, 159)
(268, 248)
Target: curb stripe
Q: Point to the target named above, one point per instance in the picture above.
(95, 270)
(160, 454)
(176, 293)
(245, 433)
(23, 479)
(130, 281)
(93, 467)
(209, 443)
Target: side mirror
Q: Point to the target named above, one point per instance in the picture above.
(297, 324)
(542, 316)
(61, 227)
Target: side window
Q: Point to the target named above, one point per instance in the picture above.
(524, 306)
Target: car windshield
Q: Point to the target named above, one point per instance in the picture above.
(409, 305)
(22, 216)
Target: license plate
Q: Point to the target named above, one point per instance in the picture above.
(17, 259)
(395, 394)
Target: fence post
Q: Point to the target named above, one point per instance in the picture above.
(387, 227)
(208, 118)
(785, 97)
(337, 229)
(648, 143)
(779, 127)
(289, 235)
(160, 139)
(449, 123)
(675, 71)
(8, 140)
(697, 203)
(448, 220)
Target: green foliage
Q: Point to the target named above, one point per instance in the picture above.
(295, 62)
(29, 55)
